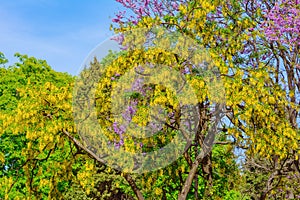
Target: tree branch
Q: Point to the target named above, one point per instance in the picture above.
(127, 176)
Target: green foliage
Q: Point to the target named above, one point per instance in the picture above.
(3, 60)
(21, 169)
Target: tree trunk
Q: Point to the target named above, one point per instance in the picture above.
(207, 173)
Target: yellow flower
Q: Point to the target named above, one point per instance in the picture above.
(158, 191)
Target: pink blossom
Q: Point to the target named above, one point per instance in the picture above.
(283, 23)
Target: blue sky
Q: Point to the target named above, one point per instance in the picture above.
(62, 32)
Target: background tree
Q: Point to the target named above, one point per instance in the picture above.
(38, 159)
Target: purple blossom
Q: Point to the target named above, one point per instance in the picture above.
(131, 110)
(186, 70)
(116, 20)
(142, 8)
(138, 84)
(124, 48)
(175, 5)
(146, 3)
(283, 23)
(129, 113)
(119, 39)
(121, 142)
(119, 129)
